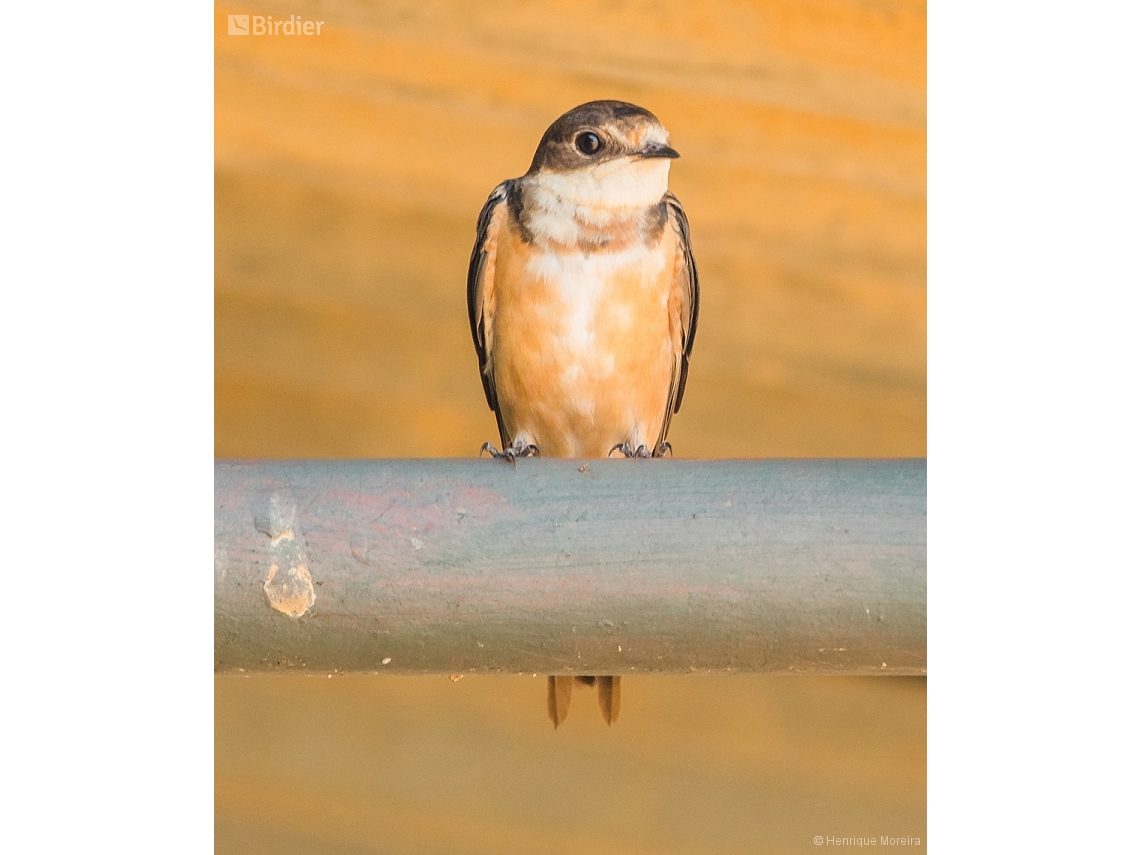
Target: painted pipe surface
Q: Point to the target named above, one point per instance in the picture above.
(459, 566)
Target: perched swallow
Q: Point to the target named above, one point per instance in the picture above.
(582, 296)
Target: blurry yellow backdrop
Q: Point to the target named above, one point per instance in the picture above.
(350, 169)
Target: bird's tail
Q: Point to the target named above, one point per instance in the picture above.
(558, 696)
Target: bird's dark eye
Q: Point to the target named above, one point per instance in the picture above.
(588, 143)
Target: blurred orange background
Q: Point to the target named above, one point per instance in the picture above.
(350, 169)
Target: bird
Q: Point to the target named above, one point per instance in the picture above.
(582, 297)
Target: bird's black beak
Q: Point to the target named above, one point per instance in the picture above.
(657, 150)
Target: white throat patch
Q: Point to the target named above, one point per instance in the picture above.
(624, 183)
(560, 203)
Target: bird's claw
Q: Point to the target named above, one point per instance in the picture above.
(511, 452)
(624, 448)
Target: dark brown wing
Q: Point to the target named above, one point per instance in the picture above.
(480, 287)
(690, 296)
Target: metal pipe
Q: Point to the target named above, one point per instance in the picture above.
(571, 567)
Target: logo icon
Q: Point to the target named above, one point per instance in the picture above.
(239, 25)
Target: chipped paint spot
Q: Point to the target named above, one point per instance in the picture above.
(290, 592)
(385, 660)
(221, 559)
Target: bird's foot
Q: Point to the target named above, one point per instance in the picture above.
(628, 451)
(511, 452)
(662, 448)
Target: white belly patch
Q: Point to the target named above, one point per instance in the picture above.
(585, 298)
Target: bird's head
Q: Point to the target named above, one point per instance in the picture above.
(605, 154)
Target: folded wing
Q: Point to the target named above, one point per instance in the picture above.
(481, 290)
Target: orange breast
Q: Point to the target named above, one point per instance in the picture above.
(583, 349)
